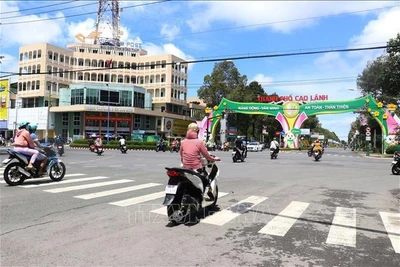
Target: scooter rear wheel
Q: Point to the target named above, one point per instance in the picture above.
(396, 170)
(11, 174)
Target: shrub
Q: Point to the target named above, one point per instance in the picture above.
(391, 149)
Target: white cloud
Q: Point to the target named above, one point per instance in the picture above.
(169, 31)
(262, 79)
(281, 16)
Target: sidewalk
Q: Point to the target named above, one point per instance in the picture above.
(374, 155)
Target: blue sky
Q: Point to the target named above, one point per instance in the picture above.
(221, 29)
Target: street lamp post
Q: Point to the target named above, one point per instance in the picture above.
(46, 138)
(108, 115)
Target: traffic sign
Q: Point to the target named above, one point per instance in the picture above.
(368, 138)
(368, 129)
(368, 133)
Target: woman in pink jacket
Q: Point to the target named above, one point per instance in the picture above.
(23, 143)
(192, 148)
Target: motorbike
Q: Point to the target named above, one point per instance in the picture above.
(274, 153)
(3, 142)
(238, 155)
(123, 149)
(60, 149)
(99, 150)
(317, 154)
(15, 172)
(187, 191)
(174, 149)
(160, 146)
(396, 163)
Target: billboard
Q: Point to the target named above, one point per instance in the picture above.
(4, 93)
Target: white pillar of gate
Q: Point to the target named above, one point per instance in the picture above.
(223, 128)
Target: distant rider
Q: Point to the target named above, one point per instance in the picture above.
(122, 142)
(98, 143)
(240, 146)
(274, 145)
(317, 147)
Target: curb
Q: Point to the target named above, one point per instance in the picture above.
(373, 157)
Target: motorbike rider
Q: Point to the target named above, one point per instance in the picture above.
(274, 145)
(23, 143)
(175, 144)
(240, 146)
(59, 141)
(41, 157)
(317, 147)
(122, 142)
(98, 142)
(191, 150)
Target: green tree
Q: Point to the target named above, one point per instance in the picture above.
(381, 77)
(223, 81)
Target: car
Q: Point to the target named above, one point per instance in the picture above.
(254, 146)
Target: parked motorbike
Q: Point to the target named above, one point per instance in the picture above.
(396, 163)
(123, 149)
(187, 191)
(274, 153)
(60, 149)
(15, 172)
(161, 146)
(238, 155)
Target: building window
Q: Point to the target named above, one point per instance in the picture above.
(77, 119)
(136, 124)
(77, 96)
(147, 122)
(64, 133)
(138, 100)
(76, 132)
(121, 53)
(94, 51)
(65, 119)
(158, 122)
(81, 50)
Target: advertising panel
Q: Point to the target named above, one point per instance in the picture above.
(180, 127)
(4, 93)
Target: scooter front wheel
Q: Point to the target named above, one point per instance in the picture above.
(57, 171)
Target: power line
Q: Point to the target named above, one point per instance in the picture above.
(78, 15)
(219, 59)
(45, 12)
(33, 8)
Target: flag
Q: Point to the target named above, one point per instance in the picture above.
(108, 63)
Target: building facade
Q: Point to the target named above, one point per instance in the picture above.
(58, 84)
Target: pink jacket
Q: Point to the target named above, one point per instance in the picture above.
(191, 149)
(23, 139)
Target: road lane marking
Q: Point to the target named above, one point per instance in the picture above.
(137, 200)
(343, 230)
(117, 191)
(281, 223)
(163, 210)
(65, 181)
(73, 174)
(226, 215)
(391, 221)
(85, 186)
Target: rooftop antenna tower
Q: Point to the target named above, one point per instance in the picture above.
(103, 20)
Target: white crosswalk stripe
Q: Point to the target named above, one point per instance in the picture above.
(137, 200)
(163, 210)
(281, 224)
(85, 186)
(64, 181)
(391, 221)
(117, 191)
(227, 215)
(343, 230)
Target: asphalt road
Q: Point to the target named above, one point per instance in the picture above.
(341, 211)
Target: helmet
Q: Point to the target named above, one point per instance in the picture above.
(23, 124)
(194, 127)
(317, 141)
(32, 127)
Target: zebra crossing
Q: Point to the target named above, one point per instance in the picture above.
(342, 230)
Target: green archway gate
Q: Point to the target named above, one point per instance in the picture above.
(292, 114)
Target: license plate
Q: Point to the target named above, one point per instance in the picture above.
(171, 189)
(6, 161)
